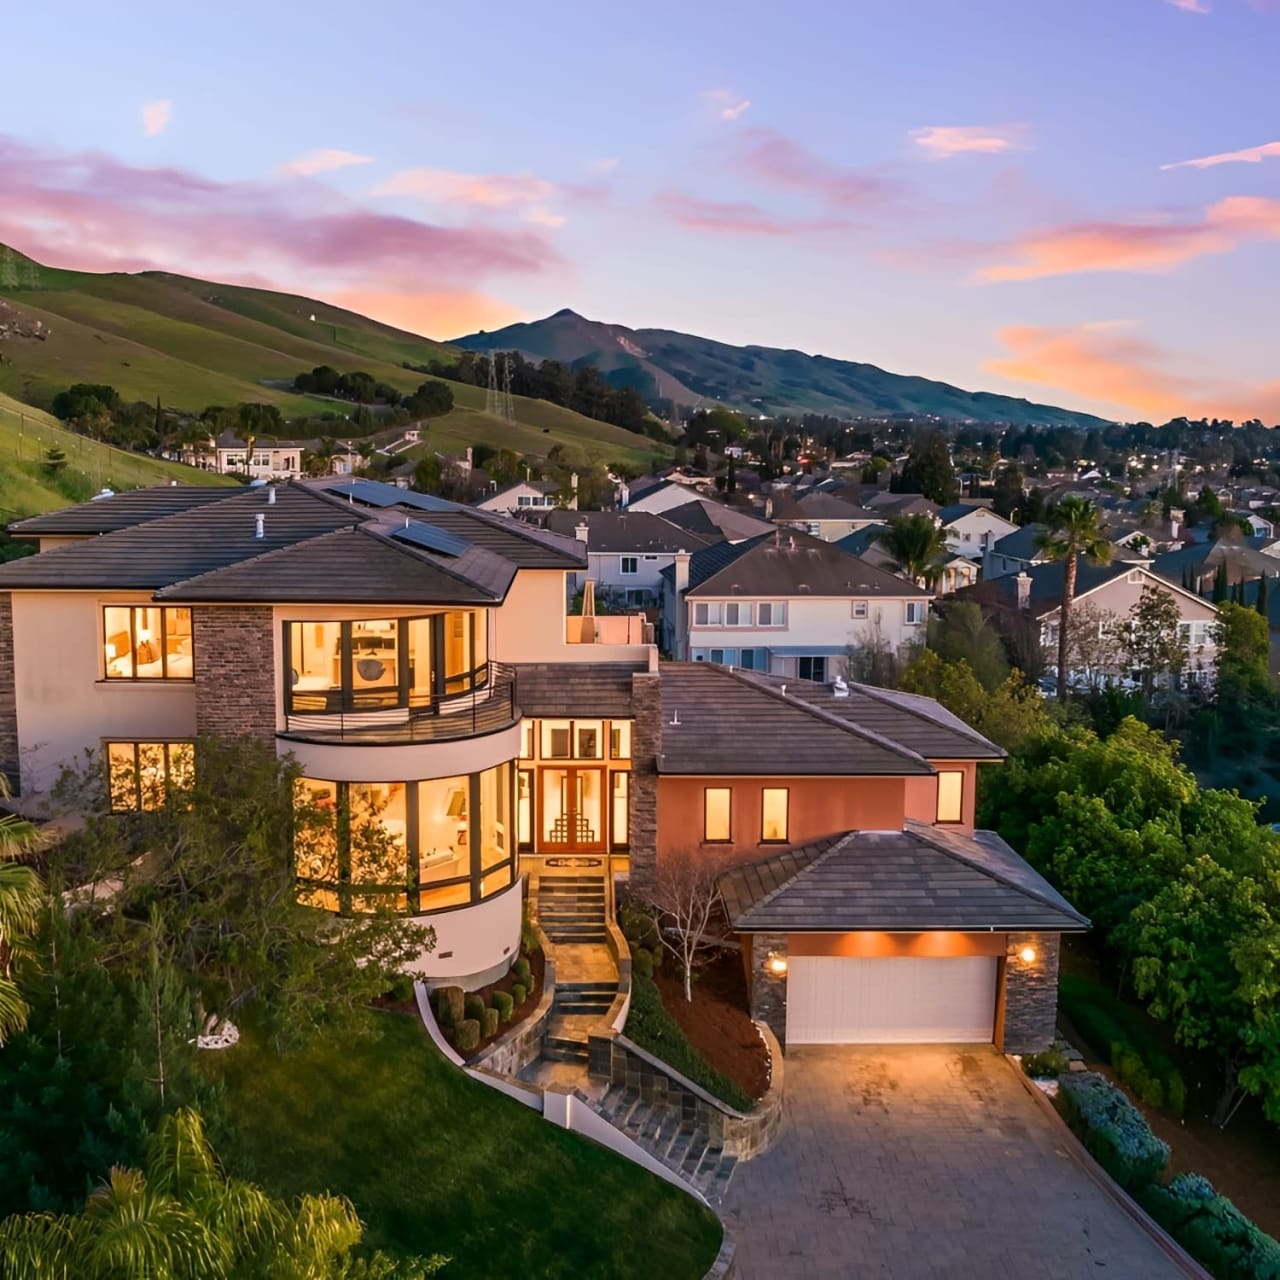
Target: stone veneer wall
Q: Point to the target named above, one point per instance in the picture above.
(646, 742)
(768, 990)
(1030, 1003)
(514, 1050)
(235, 674)
(8, 696)
(612, 1057)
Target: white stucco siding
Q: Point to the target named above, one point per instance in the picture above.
(973, 534)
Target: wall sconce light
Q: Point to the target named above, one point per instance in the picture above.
(776, 964)
(1027, 955)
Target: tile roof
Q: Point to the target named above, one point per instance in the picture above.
(715, 520)
(627, 531)
(717, 721)
(1021, 544)
(921, 878)
(566, 689)
(791, 563)
(819, 505)
(121, 510)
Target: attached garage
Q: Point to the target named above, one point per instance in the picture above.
(894, 1000)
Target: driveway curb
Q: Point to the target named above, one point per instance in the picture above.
(1075, 1149)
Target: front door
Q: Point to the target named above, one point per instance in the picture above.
(572, 810)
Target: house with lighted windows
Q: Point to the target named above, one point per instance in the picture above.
(786, 603)
(454, 726)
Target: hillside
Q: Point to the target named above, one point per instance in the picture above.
(27, 486)
(761, 380)
(193, 343)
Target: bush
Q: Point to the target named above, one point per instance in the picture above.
(1112, 1129)
(468, 1035)
(474, 1006)
(518, 993)
(488, 1023)
(524, 974)
(1116, 1031)
(642, 962)
(503, 1003)
(1212, 1229)
(638, 925)
(654, 1030)
(450, 1006)
(1047, 1065)
(401, 989)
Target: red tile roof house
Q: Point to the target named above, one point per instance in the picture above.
(415, 658)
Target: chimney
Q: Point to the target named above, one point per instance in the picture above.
(768, 508)
(624, 495)
(259, 525)
(582, 531)
(680, 572)
(1023, 581)
(1175, 522)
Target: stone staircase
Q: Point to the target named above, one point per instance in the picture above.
(685, 1148)
(571, 909)
(575, 1007)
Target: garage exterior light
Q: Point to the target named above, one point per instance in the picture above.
(1027, 955)
(776, 965)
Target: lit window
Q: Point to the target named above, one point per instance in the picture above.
(773, 813)
(715, 813)
(950, 795)
(620, 739)
(146, 643)
(629, 565)
(621, 783)
(143, 775)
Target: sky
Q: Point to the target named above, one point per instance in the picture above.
(1073, 200)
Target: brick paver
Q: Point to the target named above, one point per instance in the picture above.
(909, 1162)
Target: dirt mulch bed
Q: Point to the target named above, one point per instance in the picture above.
(538, 967)
(716, 1022)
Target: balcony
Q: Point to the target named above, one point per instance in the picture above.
(488, 706)
(608, 629)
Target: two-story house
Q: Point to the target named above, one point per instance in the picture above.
(415, 660)
(824, 515)
(972, 530)
(531, 495)
(786, 603)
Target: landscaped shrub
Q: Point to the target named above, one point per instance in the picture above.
(1117, 1032)
(450, 1006)
(1212, 1229)
(642, 962)
(488, 1023)
(401, 989)
(1112, 1129)
(518, 993)
(468, 1035)
(503, 1003)
(638, 925)
(474, 1007)
(524, 974)
(651, 1027)
(1047, 1065)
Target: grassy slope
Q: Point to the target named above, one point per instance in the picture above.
(195, 343)
(27, 488)
(435, 1162)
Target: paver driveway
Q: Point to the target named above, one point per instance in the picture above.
(924, 1161)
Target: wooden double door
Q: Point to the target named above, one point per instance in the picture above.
(572, 809)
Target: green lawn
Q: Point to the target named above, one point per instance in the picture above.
(435, 1162)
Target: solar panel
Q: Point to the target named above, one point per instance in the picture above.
(373, 494)
(432, 539)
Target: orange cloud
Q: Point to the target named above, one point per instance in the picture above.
(445, 186)
(941, 142)
(1138, 246)
(435, 315)
(1107, 362)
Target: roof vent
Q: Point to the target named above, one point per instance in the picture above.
(259, 525)
(839, 689)
(271, 496)
(675, 719)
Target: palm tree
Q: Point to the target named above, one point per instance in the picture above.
(21, 901)
(917, 546)
(1075, 530)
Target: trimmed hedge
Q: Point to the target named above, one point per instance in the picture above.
(503, 1003)
(1212, 1229)
(651, 1027)
(468, 1035)
(1112, 1129)
(474, 1007)
(1116, 1031)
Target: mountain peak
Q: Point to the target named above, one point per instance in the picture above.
(566, 313)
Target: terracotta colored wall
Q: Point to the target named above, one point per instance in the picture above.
(922, 793)
(872, 944)
(817, 807)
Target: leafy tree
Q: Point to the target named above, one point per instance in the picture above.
(1244, 650)
(928, 470)
(432, 399)
(21, 901)
(86, 400)
(917, 545)
(1008, 496)
(259, 419)
(1152, 642)
(1075, 530)
(963, 634)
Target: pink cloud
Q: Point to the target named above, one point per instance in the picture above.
(779, 162)
(1109, 363)
(91, 211)
(941, 142)
(325, 160)
(155, 117)
(1153, 245)
(1192, 6)
(728, 105)
(445, 186)
(1247, 155)
(736, 217)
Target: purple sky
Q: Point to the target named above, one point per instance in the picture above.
(1075, 200)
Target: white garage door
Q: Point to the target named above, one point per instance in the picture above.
(898, 1000)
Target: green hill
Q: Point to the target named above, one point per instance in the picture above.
(758, 380)
(28, 485)
(193, 343)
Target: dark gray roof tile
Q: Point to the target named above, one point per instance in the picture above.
(122, 510)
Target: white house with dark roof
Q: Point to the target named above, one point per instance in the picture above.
(531, 495)
(972, 529)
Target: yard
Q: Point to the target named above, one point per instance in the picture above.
(436, 1163)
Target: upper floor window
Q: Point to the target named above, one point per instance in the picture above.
(716, 824)
(950, 795)
(772, 613)
(1197, 634)
(143, 775)
(144, 642)
(860, 609)
(629, 564)
(916, 612)
(773, 814)
(572, 740)
(739, 613)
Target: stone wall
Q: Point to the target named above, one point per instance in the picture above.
(515, 1049)
(1029, 1003)
(235, 675)
(8, 696)
(646, 742)
(768, 990)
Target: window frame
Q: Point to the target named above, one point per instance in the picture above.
(163, 610)
(136, 745)
(707, 837)
(913, 606)
(785, 837)
(860, 610)
(811, 658)
(633, 561)
(959, 807)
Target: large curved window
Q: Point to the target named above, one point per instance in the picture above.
(407, 847)
(383, 664)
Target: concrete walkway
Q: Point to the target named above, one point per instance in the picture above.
(908, 1162)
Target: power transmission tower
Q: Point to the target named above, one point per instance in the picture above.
(507, 406)
(491, 394)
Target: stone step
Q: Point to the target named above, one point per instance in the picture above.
(597, 1007)
(577, 933)
(566, 888)
(552, 881)
(556, 915)
(591, 988)
(693, 1156)
(564, 1049)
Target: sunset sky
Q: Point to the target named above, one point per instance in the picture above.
(1073, 200)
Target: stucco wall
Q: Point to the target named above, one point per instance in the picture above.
(816, 807)
(922, 794)
(62, 701)
(474, 945)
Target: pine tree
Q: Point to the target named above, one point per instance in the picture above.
(1221, 586)
(1261, 602)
